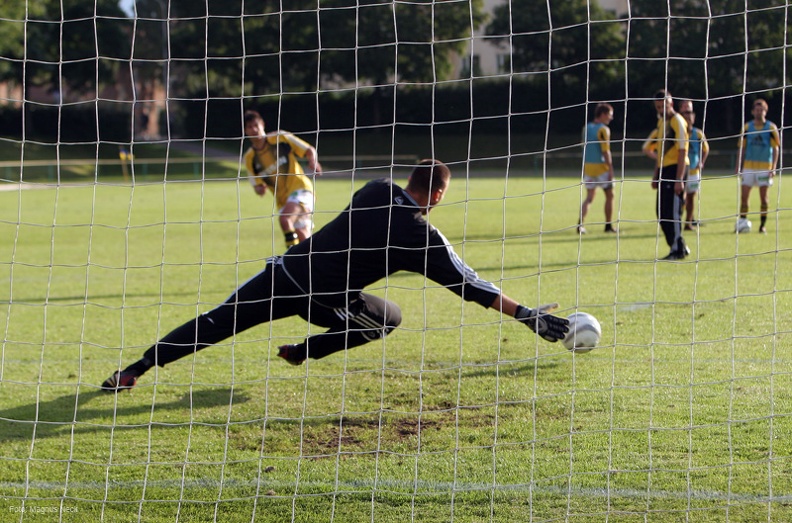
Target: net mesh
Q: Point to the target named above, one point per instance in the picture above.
(126, 210)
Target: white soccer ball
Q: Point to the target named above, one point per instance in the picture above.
(743, 225)
(584, 332)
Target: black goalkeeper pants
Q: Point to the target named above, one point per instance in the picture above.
(669, 210)
(271, 295)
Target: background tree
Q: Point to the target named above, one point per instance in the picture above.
(60, 46)
(574, 44)
(76, 45)
(62, 43)
(296, 50)
(701, 50)
(12, 43)
(413, 42)
(277, 53)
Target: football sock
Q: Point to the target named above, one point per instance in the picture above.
(291, 238)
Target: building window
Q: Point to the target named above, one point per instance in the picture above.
(503, 63)
(471, 64)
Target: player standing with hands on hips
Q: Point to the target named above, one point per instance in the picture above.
(672, 143)
(758, 159)
(383, 230)
(598, 165)
(271, 163)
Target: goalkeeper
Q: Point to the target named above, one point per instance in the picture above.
(322, 280)
(272, 164)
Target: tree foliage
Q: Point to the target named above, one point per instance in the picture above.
(576, 39)
(12, 43)
(718, 52)
(256, 47)
(240, 50)
(54, 42)
(708, 49)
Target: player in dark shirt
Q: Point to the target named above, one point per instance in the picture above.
(322, 280)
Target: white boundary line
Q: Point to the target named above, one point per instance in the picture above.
(417, 489)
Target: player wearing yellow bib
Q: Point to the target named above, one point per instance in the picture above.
(759, 148)
(672, 144)
(598, 165)
(272, 165)
(698, 150)
(649, 147)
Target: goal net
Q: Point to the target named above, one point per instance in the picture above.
(127, 209)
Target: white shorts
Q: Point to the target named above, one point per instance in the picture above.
(594, 182)
(692, 183)
(305, 199)
(757, 179)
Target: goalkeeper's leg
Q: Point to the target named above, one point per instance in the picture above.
(250, 305)
(368, 318)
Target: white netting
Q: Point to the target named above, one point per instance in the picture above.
(125, 210)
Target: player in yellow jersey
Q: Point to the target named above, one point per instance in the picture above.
(649, 147)
(272, 165)
(759, 149)
(671, 144)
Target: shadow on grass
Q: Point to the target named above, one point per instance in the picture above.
(92, 298)
(516, 369)
(70, 413)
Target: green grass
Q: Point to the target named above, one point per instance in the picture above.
(682, 413)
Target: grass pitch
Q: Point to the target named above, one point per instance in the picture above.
(682, 413)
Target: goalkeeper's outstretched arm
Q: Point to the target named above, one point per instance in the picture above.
(551, 328)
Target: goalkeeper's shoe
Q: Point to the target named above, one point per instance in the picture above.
(294, 354)
(120, 380)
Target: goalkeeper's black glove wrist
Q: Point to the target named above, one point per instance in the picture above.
(551, 328)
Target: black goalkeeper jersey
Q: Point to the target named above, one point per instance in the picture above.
(381, 232)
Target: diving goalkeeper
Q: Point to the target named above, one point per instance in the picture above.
(322, 279)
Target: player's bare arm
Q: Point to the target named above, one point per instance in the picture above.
(313, 161)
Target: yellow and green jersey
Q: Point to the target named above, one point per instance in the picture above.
(597, 143)
(697, 146)
(758, 144)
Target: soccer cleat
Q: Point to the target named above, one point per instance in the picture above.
(581, 230)
(611, 229)
(292, 354)
(120, 380)
(762, 230)
(675, 256)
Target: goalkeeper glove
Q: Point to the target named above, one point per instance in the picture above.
(551, 328)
